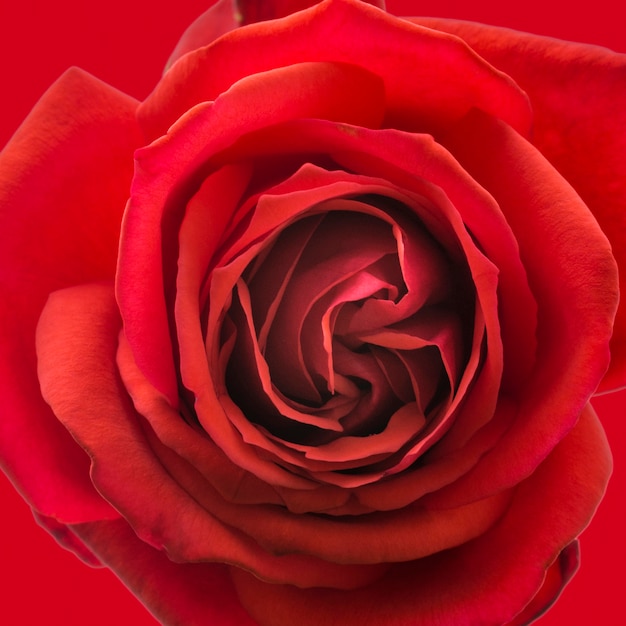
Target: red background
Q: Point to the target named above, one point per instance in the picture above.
(126, 43)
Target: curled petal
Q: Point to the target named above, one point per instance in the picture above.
(84, 321)
(51, 176)
(166, 174)
(578, 93)
(447, 77)
(488, 580)
(573, 341)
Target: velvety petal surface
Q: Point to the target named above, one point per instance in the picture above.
(226, 15)
(578, 96)
(447, 77)
(189, 594)
(486, 581)
(550, 221)
(78, 332)
(64, 180)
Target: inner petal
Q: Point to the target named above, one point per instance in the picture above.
(342, 245)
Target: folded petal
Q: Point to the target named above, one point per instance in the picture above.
(64, 180)
(193, 594)
(578, 95)
(446, 77)
(226, 15)
(576, 292)
(486, 581)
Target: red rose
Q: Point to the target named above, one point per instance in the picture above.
(329, 338)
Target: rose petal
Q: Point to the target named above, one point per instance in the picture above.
(194, 594)
(78, 333)
(447, 78)
(166, 176)
(550, 222)
(488, 580)
(578, 96)
(52, 176)
(226, 15)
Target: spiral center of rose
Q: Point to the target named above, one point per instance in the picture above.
(345, 325)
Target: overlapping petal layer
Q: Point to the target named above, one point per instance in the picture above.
(93, 126)
(339, 361)
(488, 580)
(446, 80)
(578, 94)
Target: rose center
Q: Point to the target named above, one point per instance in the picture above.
(344, 321)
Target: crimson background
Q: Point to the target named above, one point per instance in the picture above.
(126, 43)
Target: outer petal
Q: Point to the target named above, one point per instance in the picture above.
(259, 10)
(64, 179)
(578, 95)
(346, 31)
(487, 581)
(226, 15)
(78, 334)
(190, 594)
(213, 23)
(551, 224)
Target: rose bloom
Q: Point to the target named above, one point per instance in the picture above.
(309, 335)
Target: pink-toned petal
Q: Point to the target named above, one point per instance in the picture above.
(578, 95)
(64, 180)
(252, 385)
(319, 328)
(433, 327)
(488, 580)
(447, 77)
(335, 253)
(412, 375)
